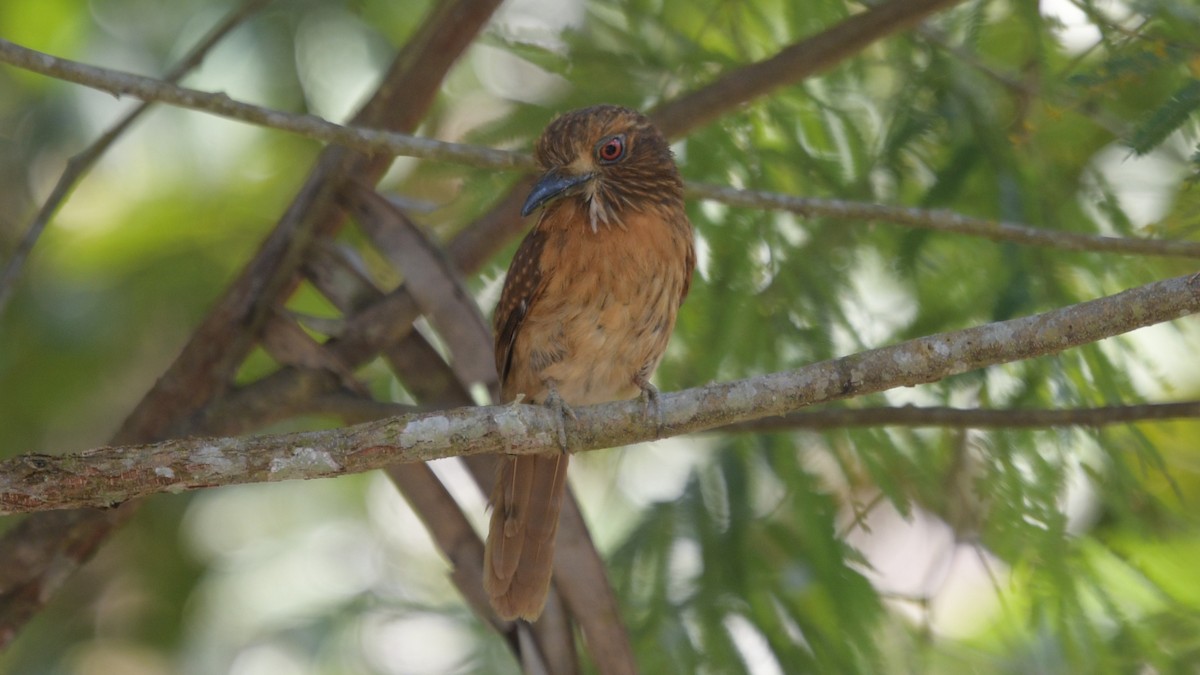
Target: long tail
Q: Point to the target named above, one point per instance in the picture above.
(519, 558)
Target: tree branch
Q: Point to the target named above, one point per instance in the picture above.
(109, 475)
(945, 221)
(677, 117)
(963, 418)
(803, 59)
(78, 166)
(371, 141)
(433, 382)
(41, 551)
(394, 143)
(353, 409)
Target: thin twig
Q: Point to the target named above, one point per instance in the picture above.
(374, 141)
(40, 552)
(430, 380)
(80, 164)
(679, 116)
(1020, 87)
(968, 418)
(105, 476)
(792, 64)
(392, 143)
(945, 221)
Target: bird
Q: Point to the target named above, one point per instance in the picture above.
(585, 314)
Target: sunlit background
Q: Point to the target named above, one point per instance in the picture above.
(339, 576)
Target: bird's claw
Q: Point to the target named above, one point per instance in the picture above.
(561, 412)
(649, 396)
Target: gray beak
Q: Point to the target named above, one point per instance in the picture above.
(551, 185)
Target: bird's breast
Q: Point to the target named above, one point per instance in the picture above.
(608, 307)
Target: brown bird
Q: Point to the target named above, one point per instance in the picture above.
(585, 314)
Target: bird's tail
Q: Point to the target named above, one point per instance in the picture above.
(519, 559)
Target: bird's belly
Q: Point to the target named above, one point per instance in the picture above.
(607, 351)
(614, 333)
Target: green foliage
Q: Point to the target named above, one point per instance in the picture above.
(1048, 551)
(1172, 115)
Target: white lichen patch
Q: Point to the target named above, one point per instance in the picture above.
(905, 362)
(471, 431)
(425, 430)
(941, 348)
(741, 395)
(856, 377)
(510, 424)
(164, 472)
(302, 464)
(1002, 333)
(687, 409)
(211, 455)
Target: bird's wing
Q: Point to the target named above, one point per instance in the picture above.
(521, 290)
(689, 264)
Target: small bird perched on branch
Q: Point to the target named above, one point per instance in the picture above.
(586, 311)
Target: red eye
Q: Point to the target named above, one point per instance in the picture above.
(611, 149)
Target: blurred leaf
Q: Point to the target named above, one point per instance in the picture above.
(1167, 118)
(1003, 111)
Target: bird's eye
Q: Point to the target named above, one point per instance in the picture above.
(611, 149)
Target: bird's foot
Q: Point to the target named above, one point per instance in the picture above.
(561, 412)
(649, 396)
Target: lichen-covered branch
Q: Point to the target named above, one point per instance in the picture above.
(107, 476)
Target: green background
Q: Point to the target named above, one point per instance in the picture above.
(1000, 551)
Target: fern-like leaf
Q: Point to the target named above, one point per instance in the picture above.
(1169, 117)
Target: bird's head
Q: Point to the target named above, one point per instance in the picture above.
(610, 159)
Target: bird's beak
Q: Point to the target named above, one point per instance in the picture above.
(552, 184)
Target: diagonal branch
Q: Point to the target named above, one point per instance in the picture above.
(433, 280)
(40, 552)
(791, 65)
(79, 165)
(230, 329)
(104, 476)
(431, 381)
(69, 537)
